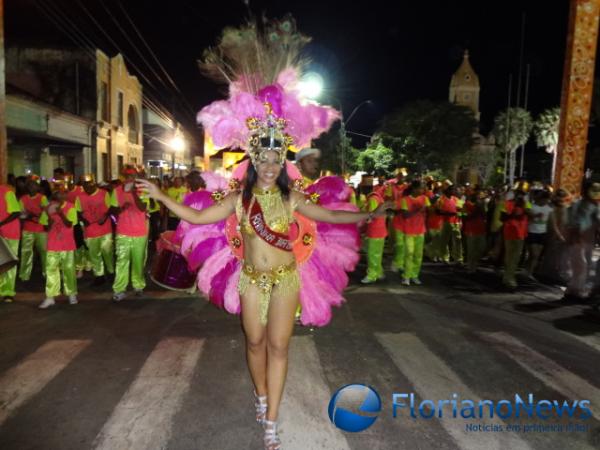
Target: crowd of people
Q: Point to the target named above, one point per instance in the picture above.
(106, 229)
(71, 228)
(548, 233)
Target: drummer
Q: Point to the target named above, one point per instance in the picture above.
(93, 206)
(10, 232)
(132, 235)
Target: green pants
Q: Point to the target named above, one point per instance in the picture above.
(512, 255)
(100, 252)
(375, 258)
(432, 248)
(398, 261)
(413, 258)
(8, 278)
(82, 259)
(475, 249)
(131, 251)
(451, 242)
(57, 263)
(29, 242)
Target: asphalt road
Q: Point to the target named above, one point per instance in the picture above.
(167, 371)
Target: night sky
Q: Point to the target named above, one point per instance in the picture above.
(388, 52)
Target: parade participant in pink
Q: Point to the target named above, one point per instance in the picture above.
(131, 236)
(275, 257)
(10, 231)
(414, 210)
(93, 206)
(59, 218)
(34, 235)
(82, 260)
(376, 234)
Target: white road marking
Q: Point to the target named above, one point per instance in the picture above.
(303, 417)
(22, 382)
(547, 371)
(434, 380)
(143, 418)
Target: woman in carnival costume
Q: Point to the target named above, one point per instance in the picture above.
(274, 258)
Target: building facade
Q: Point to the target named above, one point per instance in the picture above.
(119, 117)
(71, 109)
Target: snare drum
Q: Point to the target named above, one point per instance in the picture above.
(169, 267)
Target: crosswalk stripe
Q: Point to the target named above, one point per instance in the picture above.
(545, 370)
(143, 418)
(22, 382)
(433, 379)
(592, 341)
(305, 424)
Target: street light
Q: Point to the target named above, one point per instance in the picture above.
(177, 144)
(343, 137)
(311, 85)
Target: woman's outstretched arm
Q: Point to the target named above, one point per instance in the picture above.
(321, 214)
(212, 214)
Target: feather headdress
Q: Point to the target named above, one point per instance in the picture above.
(265, 110)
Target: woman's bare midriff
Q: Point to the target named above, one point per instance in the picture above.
(263, 256)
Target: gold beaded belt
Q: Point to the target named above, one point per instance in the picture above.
(284, 276)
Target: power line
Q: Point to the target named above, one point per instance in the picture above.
(135, 28)
(112, 41)
(72, 31)
(89, 45)
(132, 43)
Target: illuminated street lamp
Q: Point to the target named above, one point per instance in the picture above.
(311, 85)
(177, 144)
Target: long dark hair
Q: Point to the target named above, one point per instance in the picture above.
(283, 182)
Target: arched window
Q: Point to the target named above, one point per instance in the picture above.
(133, 124)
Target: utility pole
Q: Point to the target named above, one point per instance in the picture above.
(3, 149)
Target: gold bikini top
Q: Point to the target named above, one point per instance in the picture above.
(277, 214)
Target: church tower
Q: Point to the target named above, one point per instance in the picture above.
(464, 86)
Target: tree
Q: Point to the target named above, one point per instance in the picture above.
(330, 144)
(512, 128)
(427, 135)
(377, 160)
(545, 130)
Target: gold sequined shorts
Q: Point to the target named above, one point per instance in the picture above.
(284, 277)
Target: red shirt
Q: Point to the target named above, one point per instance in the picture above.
(376, 229)
(34, 205)
(473, 225)
(515, 227)
(415, 224)
(398, 192)
(61, 238)
(93, 208)
(74, 194)
(131, 221)
(449, 205)
(8, 205)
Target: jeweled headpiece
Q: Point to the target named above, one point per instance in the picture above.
(267, 134)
